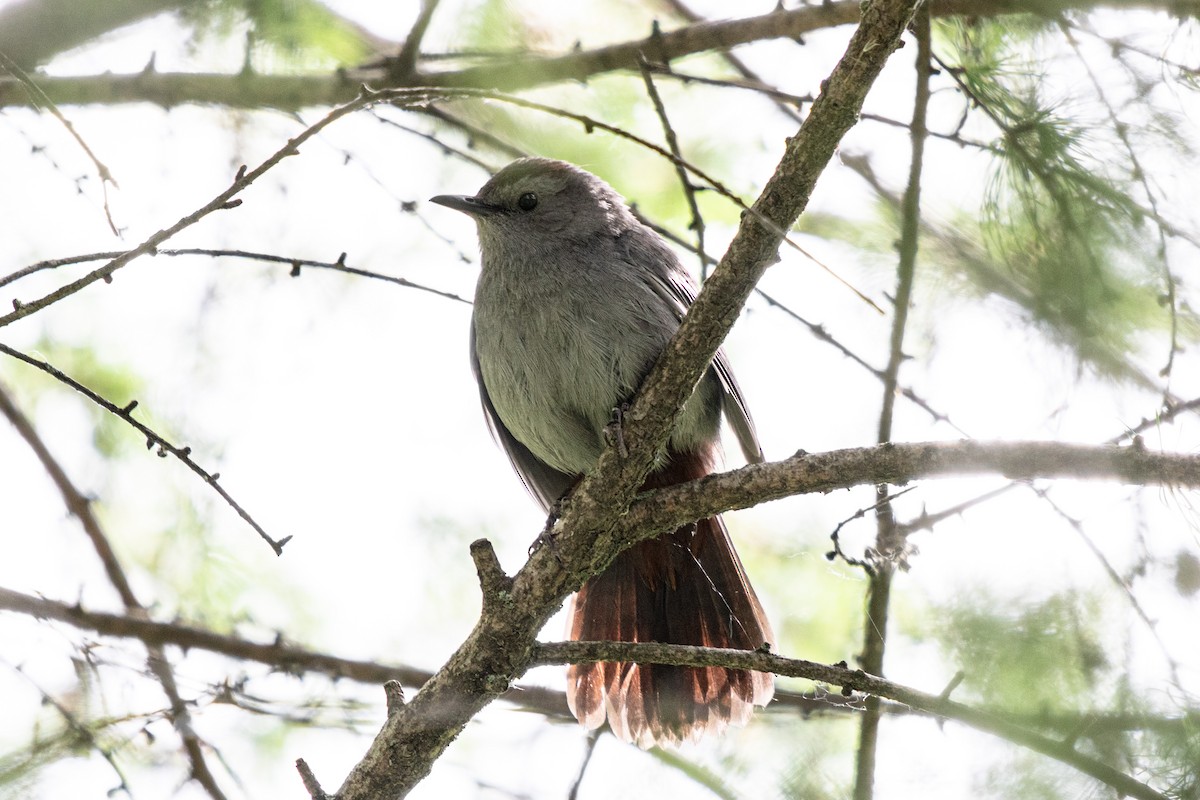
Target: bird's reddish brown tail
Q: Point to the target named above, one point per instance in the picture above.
(686, 587)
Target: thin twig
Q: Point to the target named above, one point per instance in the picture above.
(40, 99)
(866, 564)
(224, 200)
(592, 738)
(888, 544)
(475, 133)
(446, 149)
(153, 439)
(689, 190)
(787, 99)
(296, 264)
(1118, 581)
(55, 263)
(820, 332)
(1168, 413)
(291, 261)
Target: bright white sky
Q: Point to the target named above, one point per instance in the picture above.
(342, 412)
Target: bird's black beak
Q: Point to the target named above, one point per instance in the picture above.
(471, 206)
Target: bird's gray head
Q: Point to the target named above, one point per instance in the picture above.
(537, 202)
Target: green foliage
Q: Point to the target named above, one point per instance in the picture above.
(301, 33)
(1178, 746)
(1040, 657)
(493, 26)
(814, 767)
(19, 769)
(1028, 776)
(202, 581)
(1064, 235)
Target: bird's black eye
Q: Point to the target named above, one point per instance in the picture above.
(527, 201)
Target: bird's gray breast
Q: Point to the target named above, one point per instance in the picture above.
(558, 349)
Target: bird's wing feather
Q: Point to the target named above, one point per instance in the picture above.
(671, 282)
(546, 484)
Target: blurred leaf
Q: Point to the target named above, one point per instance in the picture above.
(1178, 750)
(814, 765)
(1061, 232)
(301, 33)
(703, 776)
(1028, 776)
(1187, 573)
(1044, 656)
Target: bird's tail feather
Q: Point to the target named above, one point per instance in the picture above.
(686, 587)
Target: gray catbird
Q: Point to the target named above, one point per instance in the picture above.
(575, 302)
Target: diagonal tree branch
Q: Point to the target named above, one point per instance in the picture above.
(402, 67)
(500, 647)
(125, 413)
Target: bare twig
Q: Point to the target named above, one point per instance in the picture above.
(1167, 414)
(290, 261)
(296, 264)
(226, 199)
(153, 439)
(787, 101)
(55, 263)
(40, 99)
(1118, 581)
(888, 544)
(867, 564)
(689, 191)
(447, 149)
(311, 784)
(820, 332)
(592, 738)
